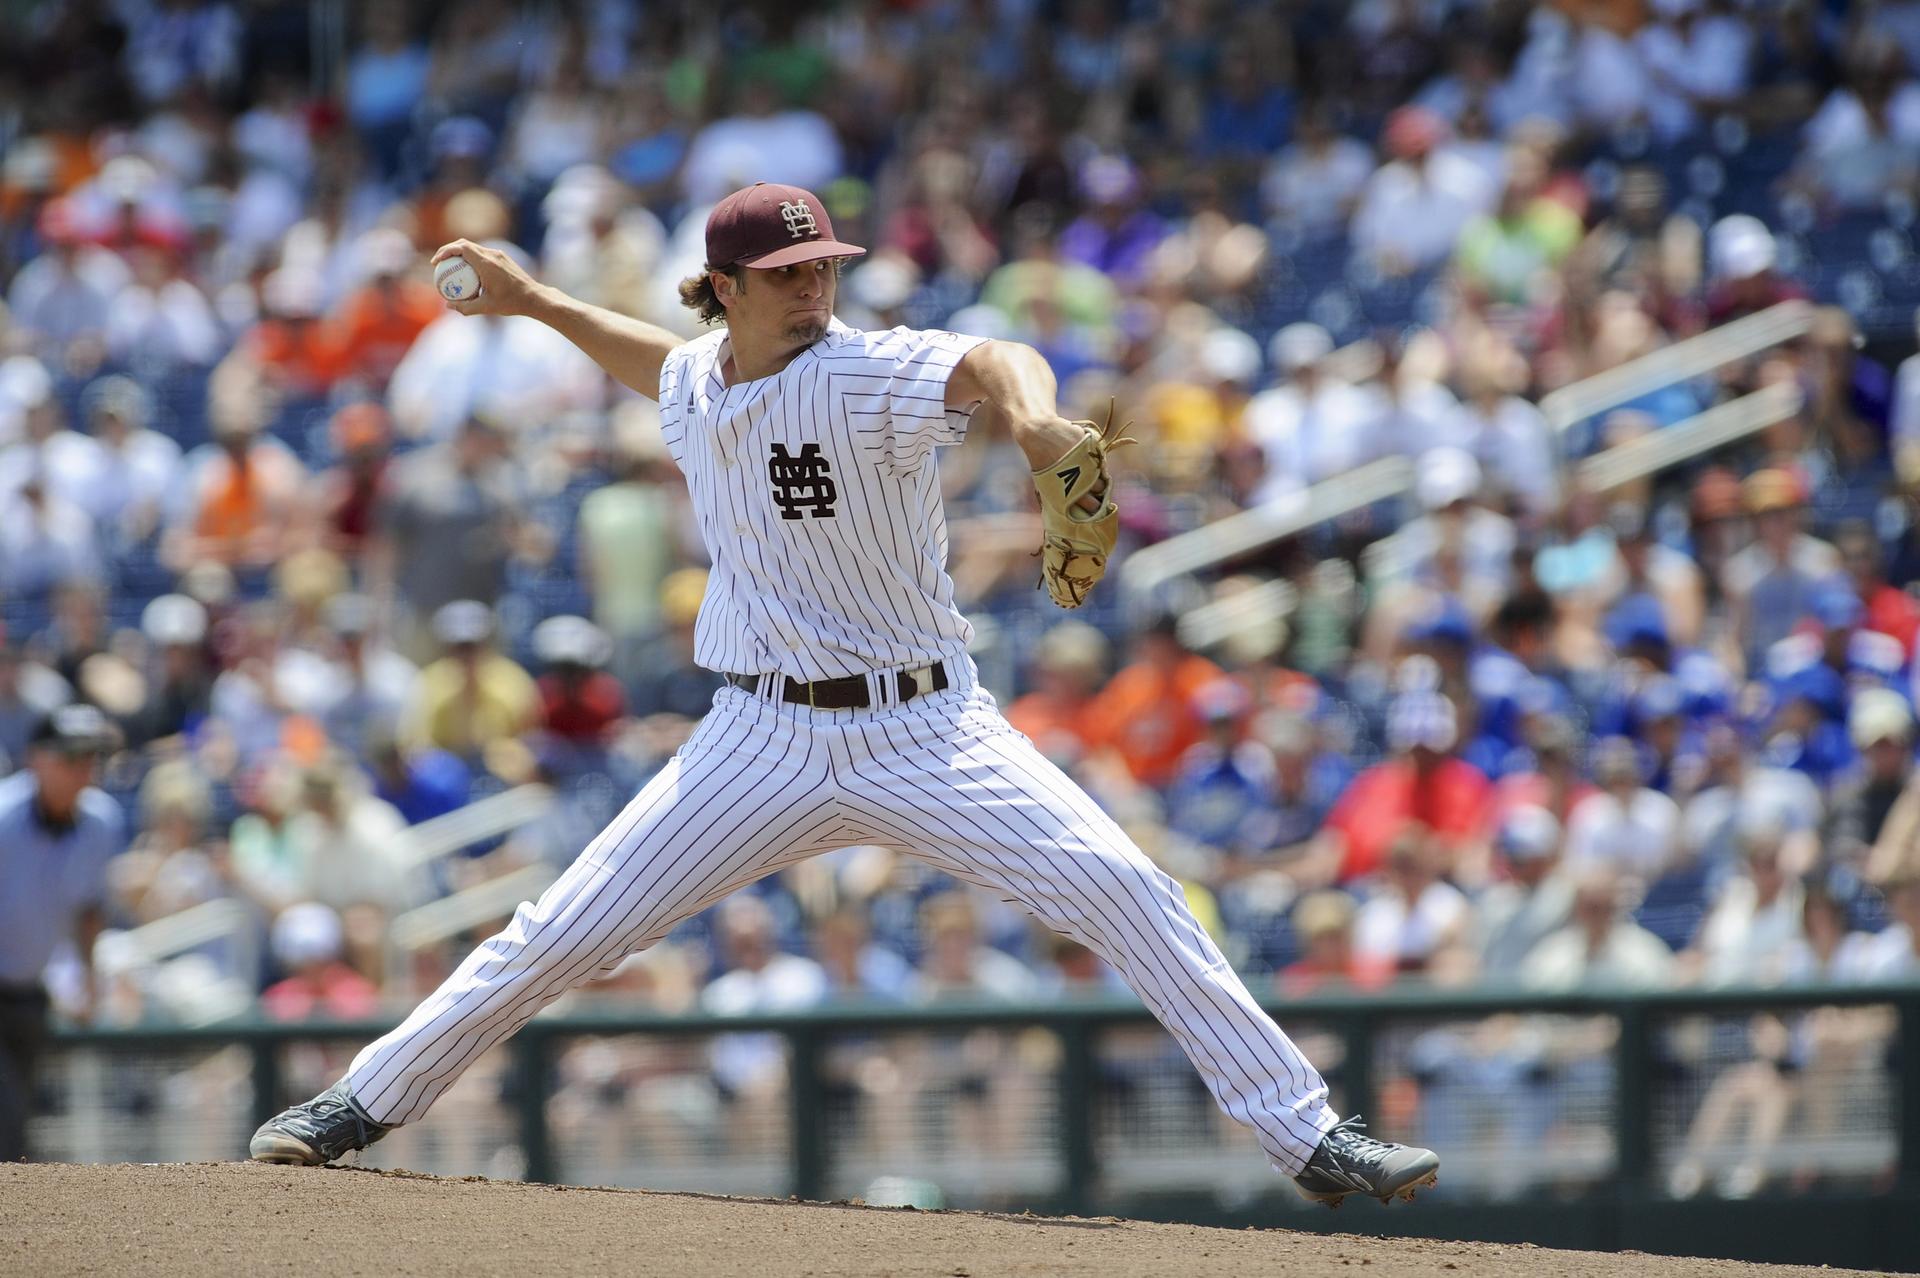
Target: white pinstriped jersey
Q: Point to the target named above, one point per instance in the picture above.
(819, 502)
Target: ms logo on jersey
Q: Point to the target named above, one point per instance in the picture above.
(799, 218)
(801, 484)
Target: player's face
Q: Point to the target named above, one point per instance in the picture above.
(786, 305)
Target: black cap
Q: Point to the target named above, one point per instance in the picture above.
(75, 729)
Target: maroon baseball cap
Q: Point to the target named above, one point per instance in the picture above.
(768, 225)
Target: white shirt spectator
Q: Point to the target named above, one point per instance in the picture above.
(1488, 156)
(1415, 419)
(71, 465)
(137, 476)
(1536, 88)
(275, 136)
(1412, 215)
(60, 299)
(44, 543)
(1630, 958)
(315, 685)
(162, 327)
(1513, 444)
(349, 859)
(553, 132)
(1853, 960)
(786, 983)
(1314, 192)
(1906, 402)
(1842, 121)
(1308, 437)
(25, 387)
(1391, 930)
(516, 369)
(1744, 941)
(795, 147)
(1891, 956)
(1608, 80)
(266, 205)
(1635, 837)
(1711, 58)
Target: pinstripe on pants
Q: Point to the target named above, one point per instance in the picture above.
(943, 778)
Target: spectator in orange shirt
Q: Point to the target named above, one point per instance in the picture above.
(241, 496)
(287, 355)
(377, 322)
(292, 350)
(1423, 782)
(1147, 713)
(1068, 664)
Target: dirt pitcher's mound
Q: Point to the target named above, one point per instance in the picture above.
(203, 1219)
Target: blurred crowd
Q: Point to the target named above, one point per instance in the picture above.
(331, 562)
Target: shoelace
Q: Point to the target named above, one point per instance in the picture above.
(360, 1121)
(1354, 1143)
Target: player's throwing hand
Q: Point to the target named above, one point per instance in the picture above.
(505, 286)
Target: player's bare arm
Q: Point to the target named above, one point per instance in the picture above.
(632, 351)
(1069, 461)
(1017, 381)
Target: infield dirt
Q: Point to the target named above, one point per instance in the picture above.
(205, 1219)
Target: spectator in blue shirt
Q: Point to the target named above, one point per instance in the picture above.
(57, 834)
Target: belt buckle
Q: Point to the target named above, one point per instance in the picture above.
(810, 704)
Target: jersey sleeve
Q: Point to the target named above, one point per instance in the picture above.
(673, 373)
(922, 361)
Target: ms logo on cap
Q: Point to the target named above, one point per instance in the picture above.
(799, 219)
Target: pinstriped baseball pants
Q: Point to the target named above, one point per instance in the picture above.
(943, 778)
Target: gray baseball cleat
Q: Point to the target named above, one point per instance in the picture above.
(1348, 1162)
(322, 1130)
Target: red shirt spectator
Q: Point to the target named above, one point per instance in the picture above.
(361, 440)
(328, 991)
(579, 701)
(1448, 796)
(1422, 783)
(1890, 610)
(307, 940)
(583, 707)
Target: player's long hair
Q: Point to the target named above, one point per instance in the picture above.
(697, 295)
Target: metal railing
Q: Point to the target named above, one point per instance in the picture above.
(1645, 455)
(1246, 531)
(1712, 349)
(1356, 1024)
(442, 836)
(1249, 530)
(1717, 427)
(440, 920)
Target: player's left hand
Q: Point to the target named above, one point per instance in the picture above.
(1078, 515)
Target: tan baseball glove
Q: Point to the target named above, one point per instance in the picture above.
(1076, 542)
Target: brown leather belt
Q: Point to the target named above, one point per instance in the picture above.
(849, 693)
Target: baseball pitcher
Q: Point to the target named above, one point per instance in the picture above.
(851, 712)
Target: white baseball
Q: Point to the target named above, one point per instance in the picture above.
(456, 279)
